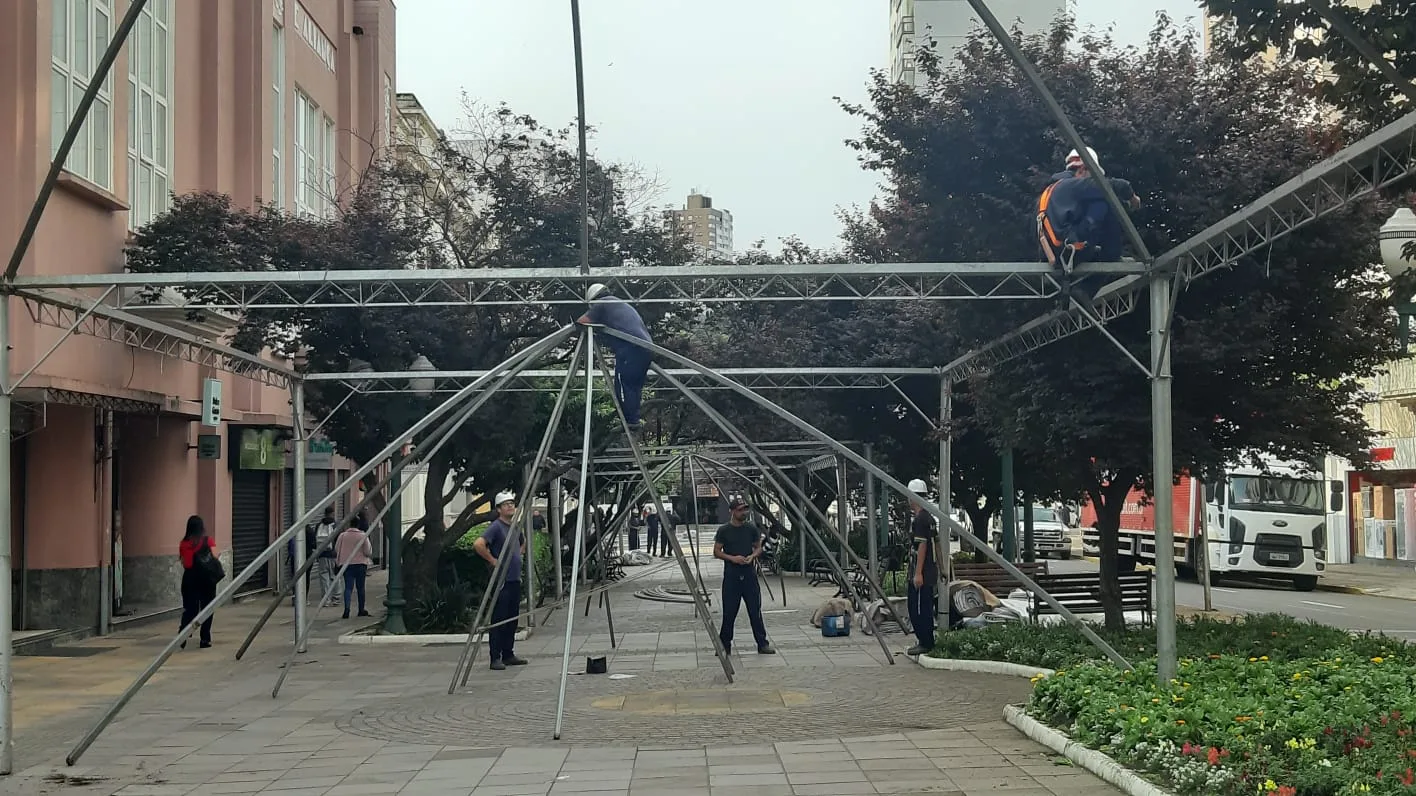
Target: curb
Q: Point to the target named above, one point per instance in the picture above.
(425, 639)
(1091, 760)
(982, 667)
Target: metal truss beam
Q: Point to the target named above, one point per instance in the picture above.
(240, 291)
(537, 380)
(99, 320)
(1377, 161)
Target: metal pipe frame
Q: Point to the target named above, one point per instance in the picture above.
(700, 603)
(493, 590)
(801, 378)
(535, 350)
(418, 455)
(884, 478)
(242, 290)
(778, 477)
(767, 498)
(421, 453)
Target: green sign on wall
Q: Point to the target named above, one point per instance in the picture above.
(261, 449)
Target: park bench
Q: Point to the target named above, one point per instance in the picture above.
(996, 579)
(1080, 593)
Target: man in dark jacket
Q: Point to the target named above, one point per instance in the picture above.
(1075, 223)
(631, 361)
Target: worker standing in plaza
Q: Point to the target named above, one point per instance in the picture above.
(1075, 224)
(490, 546)
(924, 573)
(631, 361)
(738, 545)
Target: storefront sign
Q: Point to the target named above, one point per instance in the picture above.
(1383, 454)
(260, 450)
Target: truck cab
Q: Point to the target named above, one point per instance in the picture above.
(1269, 523)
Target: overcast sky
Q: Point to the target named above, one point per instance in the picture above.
(733, 97)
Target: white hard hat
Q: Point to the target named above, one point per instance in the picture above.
(1074, 159)
(504, 497)
(593, 291)
(918, 487)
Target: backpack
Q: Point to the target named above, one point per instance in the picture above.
(1053, 245)
(207, 564)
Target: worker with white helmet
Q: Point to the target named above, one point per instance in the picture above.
(631, 361)
(502, 637)
(1074, 221)
(923, 571)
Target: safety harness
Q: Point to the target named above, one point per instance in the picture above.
(1052, 244)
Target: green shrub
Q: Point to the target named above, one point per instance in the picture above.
(461, 571)
(443, 609)
(1058, 646)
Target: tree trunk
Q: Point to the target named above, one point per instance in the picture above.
(1108, 500)
(979, 517)
(420, 568)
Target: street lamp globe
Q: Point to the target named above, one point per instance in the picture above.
(357, 365)
(421, 387)
(1395, 234)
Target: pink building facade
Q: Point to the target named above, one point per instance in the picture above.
(269, 101)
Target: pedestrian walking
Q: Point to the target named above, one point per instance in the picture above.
(738, 544)
(353, 548)
(924, 573)
(655, 526)
(325, 566)
(490, 546)
(198, 587)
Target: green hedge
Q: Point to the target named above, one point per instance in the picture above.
(462, 578)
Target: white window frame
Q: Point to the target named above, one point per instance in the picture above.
(307, 154)
(71, 66)
(150, 89)
(278, 159)
(329, 154)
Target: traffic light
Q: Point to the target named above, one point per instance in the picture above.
(211, 402)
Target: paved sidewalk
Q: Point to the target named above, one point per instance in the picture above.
(825, 716)
(1395, 582)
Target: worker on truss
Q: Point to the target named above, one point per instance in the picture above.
(1074, 221)
(631, 361)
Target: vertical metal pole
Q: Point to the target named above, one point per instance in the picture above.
(843, 512)
(694, 537)
(106, 568)
(945, 485)
(584, 158)
(1010, 509)
(528, 533)
(297, 411)
(1163, 471)
(871, 518)
(553, 507)
(1029, 531)
(394, 624)
(584, 522)
(801, 518)
(7, 652)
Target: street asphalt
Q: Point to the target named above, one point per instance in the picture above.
(1348, 611)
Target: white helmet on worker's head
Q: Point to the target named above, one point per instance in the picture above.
(503, 498)
(918, 487)
(1074, 160)
(594, 290)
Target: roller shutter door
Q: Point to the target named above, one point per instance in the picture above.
(250, 523)
(316, 487)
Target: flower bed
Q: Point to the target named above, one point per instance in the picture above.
(1235, 725)
(1264, 706)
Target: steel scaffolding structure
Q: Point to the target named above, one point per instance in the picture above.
(111, 307)
(536, 380)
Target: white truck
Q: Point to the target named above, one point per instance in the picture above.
(1259, 523)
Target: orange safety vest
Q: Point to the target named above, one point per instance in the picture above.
(1052, 243)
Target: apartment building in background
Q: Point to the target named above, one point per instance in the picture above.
(948, 23)
(269, 101)
(708, 228)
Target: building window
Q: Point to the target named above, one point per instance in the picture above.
(150, 114)
(329, 154)
(277, 196)
(80, 34)
(307, 155)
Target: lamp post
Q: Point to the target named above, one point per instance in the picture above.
(1398, 232)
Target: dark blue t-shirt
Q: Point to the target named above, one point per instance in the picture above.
(496, 536)
(618, 315)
